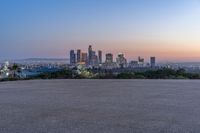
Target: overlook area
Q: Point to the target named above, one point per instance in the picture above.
(100, 106)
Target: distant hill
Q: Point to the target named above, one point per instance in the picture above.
(38, 60)
(46, 59)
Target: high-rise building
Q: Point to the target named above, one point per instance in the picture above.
(100, 57)
(93, 53)
(94, 60)
(121, 61)
(84, 58)
(72, 57)
(109, 64)
(109, 58)
(90, 55)
(78, 56)
(153, 61)
(140, 61)
(133, 64)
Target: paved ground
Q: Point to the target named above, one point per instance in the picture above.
(100, 106)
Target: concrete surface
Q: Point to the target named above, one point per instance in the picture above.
(100, 106)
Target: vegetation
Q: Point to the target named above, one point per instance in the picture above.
(15, 67)
(63, 74)
(163, 73)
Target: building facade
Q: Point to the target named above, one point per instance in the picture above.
(100, 57)
(72, 57)
(90, 55)
(121, 61)
(109, 58)
(78, 56)
(152, 61)
(140, 61)
(84, 58)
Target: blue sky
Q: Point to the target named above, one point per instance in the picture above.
(50, 28)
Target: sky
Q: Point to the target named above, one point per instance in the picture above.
(167, 29)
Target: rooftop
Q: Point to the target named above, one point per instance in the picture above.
(100, 106)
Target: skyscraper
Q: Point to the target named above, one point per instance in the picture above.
(109, 64)
(90, 55)
(94, 60)
(121, 61)
(79, 56)
(84, 58)
(140, 61)
(109, 58)
(72, 57)
(153, 61)
(100, 57)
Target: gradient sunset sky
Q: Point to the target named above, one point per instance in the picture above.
(167, 29)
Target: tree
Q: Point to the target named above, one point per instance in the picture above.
(15, 68)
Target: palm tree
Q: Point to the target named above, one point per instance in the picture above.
(15, 67)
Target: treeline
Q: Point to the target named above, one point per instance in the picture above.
(62, 74)
(164, 73)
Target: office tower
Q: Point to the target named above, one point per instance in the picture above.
(93, 53)
(109, 58)
(84, 58)
(140, 61)
(153, 61)
(100, 57)
(72, 57)
(109, 64)
(94, 60)
(90, 55)
(78, 56)
(121, 61)
(133, 64)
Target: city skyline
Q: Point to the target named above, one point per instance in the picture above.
(94, 59)
(167, 30)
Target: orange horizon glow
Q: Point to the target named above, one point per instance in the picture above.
(168, 30)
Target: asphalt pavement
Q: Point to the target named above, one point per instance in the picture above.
(100, 106)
